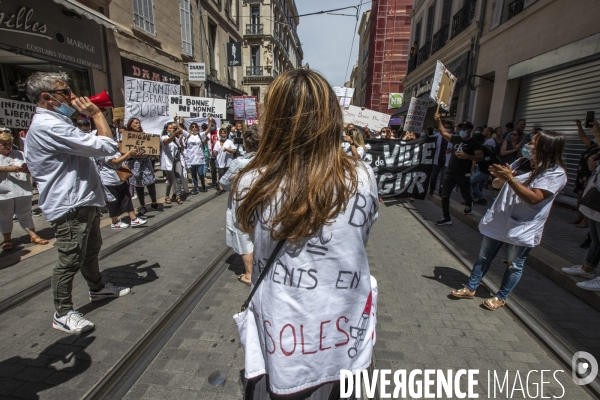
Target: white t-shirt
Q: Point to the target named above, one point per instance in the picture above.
(194, 152)
(107, 170)
(593, 184)
(224, 158)
(511, 220)
(305, 315)
(490, 142)
(360, 150)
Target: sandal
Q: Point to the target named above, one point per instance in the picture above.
(493, 303)
(241, 279)
(463, 293)
(7, 246)
(179, 201)
(39, 240)
(167, 200)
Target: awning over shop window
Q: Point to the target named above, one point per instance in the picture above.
(88, 13)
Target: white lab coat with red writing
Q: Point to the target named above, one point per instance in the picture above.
(314, 313)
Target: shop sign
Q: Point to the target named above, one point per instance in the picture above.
(140, 70)
(234, 54)
(197, 72)
(28, 26)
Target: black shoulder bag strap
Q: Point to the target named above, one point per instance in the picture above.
(263, 273)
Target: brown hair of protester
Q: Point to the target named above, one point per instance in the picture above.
(300, 157)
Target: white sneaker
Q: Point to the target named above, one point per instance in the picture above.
(109, 290)
(119, 225)
(72, 322)
(593, 284)
(578, 270)
(138, 222)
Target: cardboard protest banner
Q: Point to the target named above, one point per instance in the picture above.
(357, 116)
(415, 117)
(16, 114)
(118, 113)
(402, 168)
(442, 87)
(148, 101)
(145, 143)
(245, 107)
(195, 107)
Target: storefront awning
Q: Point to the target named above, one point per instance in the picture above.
(406, 104)
(88, 13)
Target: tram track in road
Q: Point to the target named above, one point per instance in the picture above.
(559, 350)
(124, 374)
(34, 290)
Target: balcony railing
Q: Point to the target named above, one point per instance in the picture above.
(254, 29)
(439, 39)
(254, 70)
(412, 64)
(463, 18)
(231, 82)
(515, 7)
(213, 73)
(424, 52)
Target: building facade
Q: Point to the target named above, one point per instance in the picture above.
(443, 30)
(271, 43)
(388, 48)
(362, 64)
(535, 65)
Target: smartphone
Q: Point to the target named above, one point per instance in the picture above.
(589, 119)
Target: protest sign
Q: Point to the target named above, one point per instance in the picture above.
(402, 168)
(245, 107)
(343, 91)
(345, 101)
(194, 107)
(16, 114)
(442, 87)
(144, 143)
(118, 113)
(148, 101)
(197, 72)
(415, 117)
(357, 116)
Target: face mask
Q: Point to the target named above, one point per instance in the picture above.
(463, 134)
(477, 132)
(526, 151)
(213, 128)
(222, 139)
(64, 109)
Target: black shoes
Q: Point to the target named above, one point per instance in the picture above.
(468, 209)
(444, 221)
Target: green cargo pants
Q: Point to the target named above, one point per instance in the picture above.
(78, 241)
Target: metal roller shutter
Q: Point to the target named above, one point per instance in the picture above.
(554, 100)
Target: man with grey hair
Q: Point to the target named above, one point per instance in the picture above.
(58, 157)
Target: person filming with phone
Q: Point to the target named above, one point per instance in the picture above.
(60, 158)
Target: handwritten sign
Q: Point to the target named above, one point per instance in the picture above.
(357, 116)
(16, 114)
(145, 143)
(148, 101)
(118, 113)
(443, 85)
(197, 107)
(415, 117)
(402, 168)
(245, 107)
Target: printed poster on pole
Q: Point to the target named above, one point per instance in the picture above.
(245, 107)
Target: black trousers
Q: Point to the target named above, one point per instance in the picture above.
(463, 181)
(213, 172)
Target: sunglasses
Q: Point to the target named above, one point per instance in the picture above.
(64, 92)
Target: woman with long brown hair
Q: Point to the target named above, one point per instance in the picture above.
(142, 169)
(519, 213)
(302, 189)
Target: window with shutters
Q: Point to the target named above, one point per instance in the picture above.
(497, 8)
(143, 15)
(429, 28)
(185, 14)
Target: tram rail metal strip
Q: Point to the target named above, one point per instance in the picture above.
(32, 291)
(557, 347)
(120, 379)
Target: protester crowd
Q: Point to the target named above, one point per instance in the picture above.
(288, 189)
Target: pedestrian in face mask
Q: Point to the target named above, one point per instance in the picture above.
(465, 150)
(213, 135)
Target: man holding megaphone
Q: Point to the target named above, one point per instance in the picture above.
(59, 156)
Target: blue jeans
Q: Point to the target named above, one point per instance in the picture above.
(198, 170)
(478, 179)
(515, 259)
(593, 256)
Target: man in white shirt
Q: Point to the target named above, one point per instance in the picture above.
(223, 151)
(59, 157)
